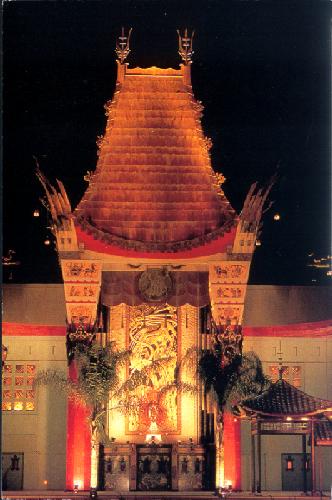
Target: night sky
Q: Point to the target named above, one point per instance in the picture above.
(261, 69)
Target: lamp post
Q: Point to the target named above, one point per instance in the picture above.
(93, 493)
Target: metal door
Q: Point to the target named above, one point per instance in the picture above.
(296, 471)
(154, 468)
(12, 471)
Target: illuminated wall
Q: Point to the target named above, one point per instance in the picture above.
(116, 425)
(39, 431)
(188, 326)
(307, 347)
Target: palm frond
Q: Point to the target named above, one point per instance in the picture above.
(242, 377)
(55, 378)
(188, 363)
(180, 387)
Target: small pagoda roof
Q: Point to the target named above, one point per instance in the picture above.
(154, 188)
(323, 433)
(282, 399)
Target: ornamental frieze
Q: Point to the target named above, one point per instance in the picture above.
(232, 313)
(227, 293)
(81, 270)
(228, 272)
(81, 314)
(81, 292)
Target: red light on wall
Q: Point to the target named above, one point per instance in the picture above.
(78, 463)
(289, 463)
(232, 440)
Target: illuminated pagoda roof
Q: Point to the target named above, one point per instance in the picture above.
(154, 188)
(282, 399)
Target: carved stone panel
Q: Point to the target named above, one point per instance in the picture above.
(82, 279)
(227, 289)
(229, 272)
(82, 292)
(116, 468)
(81, 270)
(153, 337)
(244, 243)
(155, 285)
(154, 465)
(191, 469)
(227, 293)
(81, 313)
(228, 313)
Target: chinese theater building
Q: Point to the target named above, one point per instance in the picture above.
(151, 255)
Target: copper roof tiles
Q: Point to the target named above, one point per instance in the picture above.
(154, 182)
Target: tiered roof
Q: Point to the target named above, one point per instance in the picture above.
(154, 188)
(282, 399)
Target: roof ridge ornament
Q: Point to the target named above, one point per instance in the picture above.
(122, 45)
(186, 46)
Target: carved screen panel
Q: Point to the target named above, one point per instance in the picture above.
(153, 336)
(154, 467)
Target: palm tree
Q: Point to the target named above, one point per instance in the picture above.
(242, 377)
(97, 377)
(229, 379)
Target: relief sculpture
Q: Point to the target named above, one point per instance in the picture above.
(155, 285)
(229, 313)
(226, 294)
(81, 292)
(229, 272)
(81, 314)
(153, 337)
(81, 270)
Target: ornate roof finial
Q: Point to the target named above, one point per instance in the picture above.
(186, 46)
(122, 45)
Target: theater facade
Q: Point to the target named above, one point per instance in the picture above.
(151, 257)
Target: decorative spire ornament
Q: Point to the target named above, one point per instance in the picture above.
(280, 367)
(186, 46)
(122, 46)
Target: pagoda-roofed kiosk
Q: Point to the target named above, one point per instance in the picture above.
(286, 410)
(152, 244)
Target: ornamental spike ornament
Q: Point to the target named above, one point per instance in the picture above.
(122, 45)
(186, 46)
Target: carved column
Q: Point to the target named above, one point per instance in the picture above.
(82, 282)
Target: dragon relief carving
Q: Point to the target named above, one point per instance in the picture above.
(153, 338)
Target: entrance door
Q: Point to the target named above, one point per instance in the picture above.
(296, 471)
(12, 471)
(154, 467)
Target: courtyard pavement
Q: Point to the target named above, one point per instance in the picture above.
(155, 495)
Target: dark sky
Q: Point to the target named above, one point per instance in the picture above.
(261, 69)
